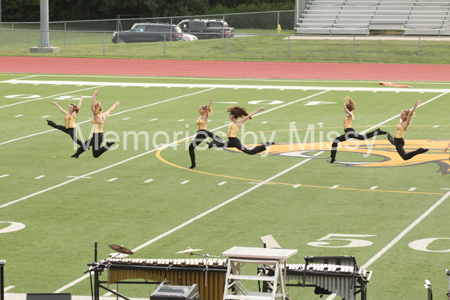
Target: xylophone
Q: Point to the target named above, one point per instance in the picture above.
(345, 280)
(209, 275)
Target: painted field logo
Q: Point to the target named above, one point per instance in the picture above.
(382, 153)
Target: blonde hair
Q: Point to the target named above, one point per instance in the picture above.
(350, 103)
(211, 111)
(408, 111)
(98, 108)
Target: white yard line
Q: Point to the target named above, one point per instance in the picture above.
(52, 96)
(114, 114)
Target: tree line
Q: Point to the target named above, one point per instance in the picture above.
(68, 10)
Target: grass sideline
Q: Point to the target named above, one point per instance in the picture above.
(63, 223)
(258, 47)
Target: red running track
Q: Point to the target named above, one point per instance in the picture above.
(224, 69)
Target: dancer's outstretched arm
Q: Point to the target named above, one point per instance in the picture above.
(208, 108)
(348, 113)
(60, 108)
(111, 109)
(250, 115)
(93, 101)
(411, 113)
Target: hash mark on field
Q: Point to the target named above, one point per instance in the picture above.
(184, 182)
(222, 183)
(125, 119)
(296, 186)
(412, 189)
(150, 180)
(5, 175)
(44, 117)
(18, 116)
(374, 91)
(374, 187)
(153, 119)
(334, 186)
(397, 92)
(264, 122)
(180, 120)
(112, 179)
(39, 177)
(436, 126)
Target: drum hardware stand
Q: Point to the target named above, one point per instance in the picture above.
(99, 267)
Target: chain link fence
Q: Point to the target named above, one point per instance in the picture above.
(255, 38)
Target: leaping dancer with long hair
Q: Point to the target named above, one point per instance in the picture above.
(402, 126)
(202, 122)
(98, 121)
(69, 120)
(238, 115)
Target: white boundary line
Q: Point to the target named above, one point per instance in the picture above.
(114, 114)
(225, 86)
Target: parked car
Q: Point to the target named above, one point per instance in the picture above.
(189, 37)
(148, 32)
(207, 28)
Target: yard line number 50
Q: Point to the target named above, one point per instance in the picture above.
(354, 241)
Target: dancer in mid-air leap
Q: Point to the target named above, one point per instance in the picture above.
(349, 132)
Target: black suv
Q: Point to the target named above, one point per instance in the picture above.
(207, 28)
(148, 32)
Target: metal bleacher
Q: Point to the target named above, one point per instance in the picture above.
(363, 17)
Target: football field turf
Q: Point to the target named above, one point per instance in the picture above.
(389, 213)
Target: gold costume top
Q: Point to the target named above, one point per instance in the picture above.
(233, 130)
(400, 132)
(97, 127)
(201, 124)
(347, 123)
(70, 121)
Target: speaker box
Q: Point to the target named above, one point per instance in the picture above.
(49, 296)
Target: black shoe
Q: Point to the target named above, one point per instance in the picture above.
(193, 166)
(75, 155)
(380, 132)
(421, 150)
(267, 144)
(108, 145)
(332, 160)
(210, 145)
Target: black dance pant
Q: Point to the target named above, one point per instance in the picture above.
(236, 143)
(200, 137)
(95, 141)
(70, 131)
(399, 143)
(350, 133)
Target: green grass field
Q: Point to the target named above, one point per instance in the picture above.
(249, 45)
(67, 204)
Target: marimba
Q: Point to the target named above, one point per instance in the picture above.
(209, 275)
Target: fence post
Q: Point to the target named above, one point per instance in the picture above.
(419, 49)
(278, 18)
(65, 27)
(104, 50)
(289, 47)
(354, 38)
(164, 46)
(12, 35)
(227, 45)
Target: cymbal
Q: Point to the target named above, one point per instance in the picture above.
(188, 250)
(121, 249)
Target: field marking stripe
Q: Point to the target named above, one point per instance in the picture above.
(225, 86)
(8, 105)
(114, 114)
(145, 153)
(159, 156)
(404, 232)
